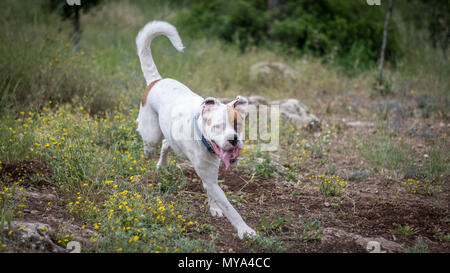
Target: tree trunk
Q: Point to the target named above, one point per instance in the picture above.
(441, 35)
(383, 45)
(76, 28)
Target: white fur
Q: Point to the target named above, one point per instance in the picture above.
(143, 41)
(169, 113)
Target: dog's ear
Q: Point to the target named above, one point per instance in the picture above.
(209, 103)
(240, 105)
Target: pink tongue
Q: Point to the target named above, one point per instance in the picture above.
(226, 156)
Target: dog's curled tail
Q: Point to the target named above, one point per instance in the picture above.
(143, 41)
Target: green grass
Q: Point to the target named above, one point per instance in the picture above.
(273, 226)
(386, 152)
(441, 235)
(330, 185)
(311, 230)
(266, 244)
(262, 166)
(404, 231)
(424, 66)
(419, 247)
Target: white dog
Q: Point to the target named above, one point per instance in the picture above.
(204, 131)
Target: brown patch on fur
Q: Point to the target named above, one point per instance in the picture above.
(233, 117)
(147, 90)
(208, 122)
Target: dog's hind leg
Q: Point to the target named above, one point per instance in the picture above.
(163, 162)
(148, 127)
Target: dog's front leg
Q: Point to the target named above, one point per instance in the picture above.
(217, 198)
(213, 207)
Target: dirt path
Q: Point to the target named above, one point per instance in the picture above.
(361, 212)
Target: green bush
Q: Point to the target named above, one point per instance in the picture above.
(347, 32)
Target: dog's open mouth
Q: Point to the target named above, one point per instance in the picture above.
(228, 157)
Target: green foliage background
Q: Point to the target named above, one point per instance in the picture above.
(344, 32)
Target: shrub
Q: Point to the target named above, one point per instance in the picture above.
(330, 185)
(348, 32)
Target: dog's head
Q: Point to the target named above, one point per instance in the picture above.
(223, 127)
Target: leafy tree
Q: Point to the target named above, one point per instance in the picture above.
(383, 45)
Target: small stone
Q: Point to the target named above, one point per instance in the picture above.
(370, 244)
(271, 70)
(359, 124)
(257, 100)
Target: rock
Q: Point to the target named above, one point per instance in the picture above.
(291, 110)
(39, 195)
(79, 235)
(254, 100)
(378, 244)
(257, 100)
(359, 124)
(35, 235)
(268, 70)
(225, 100)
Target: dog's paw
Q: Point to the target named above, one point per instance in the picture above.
(246, 231)
(216, 211)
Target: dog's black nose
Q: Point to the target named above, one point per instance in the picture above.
(233, 141)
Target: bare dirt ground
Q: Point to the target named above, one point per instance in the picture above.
(361, 212)
(44, 219)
